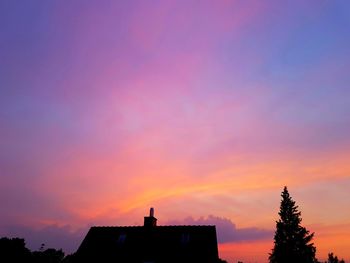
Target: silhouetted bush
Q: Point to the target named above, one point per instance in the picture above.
(334, 259)
(49, 255)
(14, 250)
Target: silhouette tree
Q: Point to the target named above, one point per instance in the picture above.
(14, 250)
(291, 241)
(49, 255)
(334, 259)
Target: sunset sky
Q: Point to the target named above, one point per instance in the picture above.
(201, 109)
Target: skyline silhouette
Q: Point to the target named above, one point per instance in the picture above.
(172, 243)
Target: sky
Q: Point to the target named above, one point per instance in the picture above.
(203, 110)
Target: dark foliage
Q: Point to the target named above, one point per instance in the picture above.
(14, 250)
(334, 259)
(49, 255)
(292, 242)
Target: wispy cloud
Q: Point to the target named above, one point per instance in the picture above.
(109, 107)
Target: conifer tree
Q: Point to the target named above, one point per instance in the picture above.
(334, 259)
(291, 241)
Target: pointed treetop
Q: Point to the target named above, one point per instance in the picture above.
(292, 241)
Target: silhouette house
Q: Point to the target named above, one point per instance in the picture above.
(149, 244)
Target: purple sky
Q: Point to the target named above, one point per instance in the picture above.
(202, 109)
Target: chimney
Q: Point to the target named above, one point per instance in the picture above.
(150, 221)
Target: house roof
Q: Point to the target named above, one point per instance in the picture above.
(143, 244)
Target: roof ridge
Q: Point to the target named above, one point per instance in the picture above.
(153, 227)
